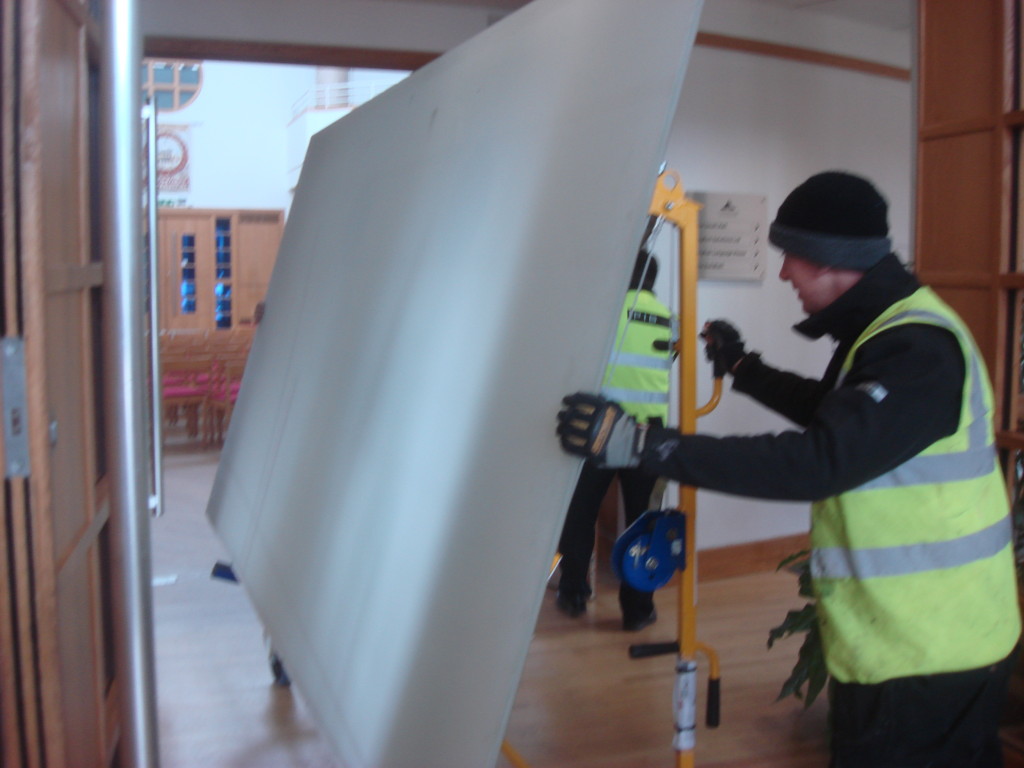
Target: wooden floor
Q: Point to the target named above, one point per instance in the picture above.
(581, 701)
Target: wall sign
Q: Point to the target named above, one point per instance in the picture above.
(172, 158)
(733, 235)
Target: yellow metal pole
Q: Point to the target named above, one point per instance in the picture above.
(716, 398)
(513, 756)
(670, 203)
(688, 425)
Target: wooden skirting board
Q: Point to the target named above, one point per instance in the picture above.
(745, 559)
(714, 563)
(735, 560)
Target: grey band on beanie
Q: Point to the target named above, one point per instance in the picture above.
(844, 252)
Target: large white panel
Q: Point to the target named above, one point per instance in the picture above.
(391, 489)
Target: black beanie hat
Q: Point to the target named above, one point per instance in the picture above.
(834, 219)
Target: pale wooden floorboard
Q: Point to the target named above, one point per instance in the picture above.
(581, 702)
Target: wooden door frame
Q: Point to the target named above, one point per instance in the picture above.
(266, 52)
(59, 697)
(968, 103)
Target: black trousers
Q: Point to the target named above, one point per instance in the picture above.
(934, 721)
(577, 542)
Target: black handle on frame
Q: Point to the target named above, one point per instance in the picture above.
(646, 650)
(714, 701)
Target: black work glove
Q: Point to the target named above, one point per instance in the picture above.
(600, 431)
(722, 346)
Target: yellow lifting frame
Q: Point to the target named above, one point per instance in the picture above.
(670, 203)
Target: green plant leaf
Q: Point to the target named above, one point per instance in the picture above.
(792, 685)
(795, 621)
(811, 660)
(810, 669)
(800, 563)
(802, 554)
(805, 587)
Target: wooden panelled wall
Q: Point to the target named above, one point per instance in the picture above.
(969, 202)
(966, 172)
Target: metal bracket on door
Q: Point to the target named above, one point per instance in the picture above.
(12, 371)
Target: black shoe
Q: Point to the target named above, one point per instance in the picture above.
(571, 604)
(636, 623)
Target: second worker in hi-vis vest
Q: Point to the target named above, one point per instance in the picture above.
(637, 377)
(912, 559)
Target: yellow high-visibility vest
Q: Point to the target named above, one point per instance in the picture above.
(637, 376)
(914, 570)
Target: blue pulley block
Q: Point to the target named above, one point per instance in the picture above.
(652, 549)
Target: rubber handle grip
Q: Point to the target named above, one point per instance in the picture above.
(645, 650)
(718, 368)
(714, 701)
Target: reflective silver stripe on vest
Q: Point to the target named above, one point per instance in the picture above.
(840, 563)
(937, 468)
(622, 395)
(654, 362)
(978, 460)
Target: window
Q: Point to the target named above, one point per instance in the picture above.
(222, 285)
(171, 84)
(188, 274)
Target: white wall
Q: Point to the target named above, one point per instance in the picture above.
(751, 124)
(245, 141)
(237, 123)
(810, 28)
(362, 85)
(746, 124)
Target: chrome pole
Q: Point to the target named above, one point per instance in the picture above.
(125, 379)
(156, 499)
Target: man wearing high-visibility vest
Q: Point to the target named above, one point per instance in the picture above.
(912, 559)
(637, 377)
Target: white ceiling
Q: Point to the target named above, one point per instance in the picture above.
(503, 4)
(887, 14)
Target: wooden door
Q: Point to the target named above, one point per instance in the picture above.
(970, 199)
(963, 162)
(58, 691)
(259, 235)
(186, 252)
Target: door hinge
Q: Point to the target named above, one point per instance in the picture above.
(12, 370)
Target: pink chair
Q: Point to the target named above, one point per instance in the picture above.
(185, 388)
(225, 381)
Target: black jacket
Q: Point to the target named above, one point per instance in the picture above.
(848, 436)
